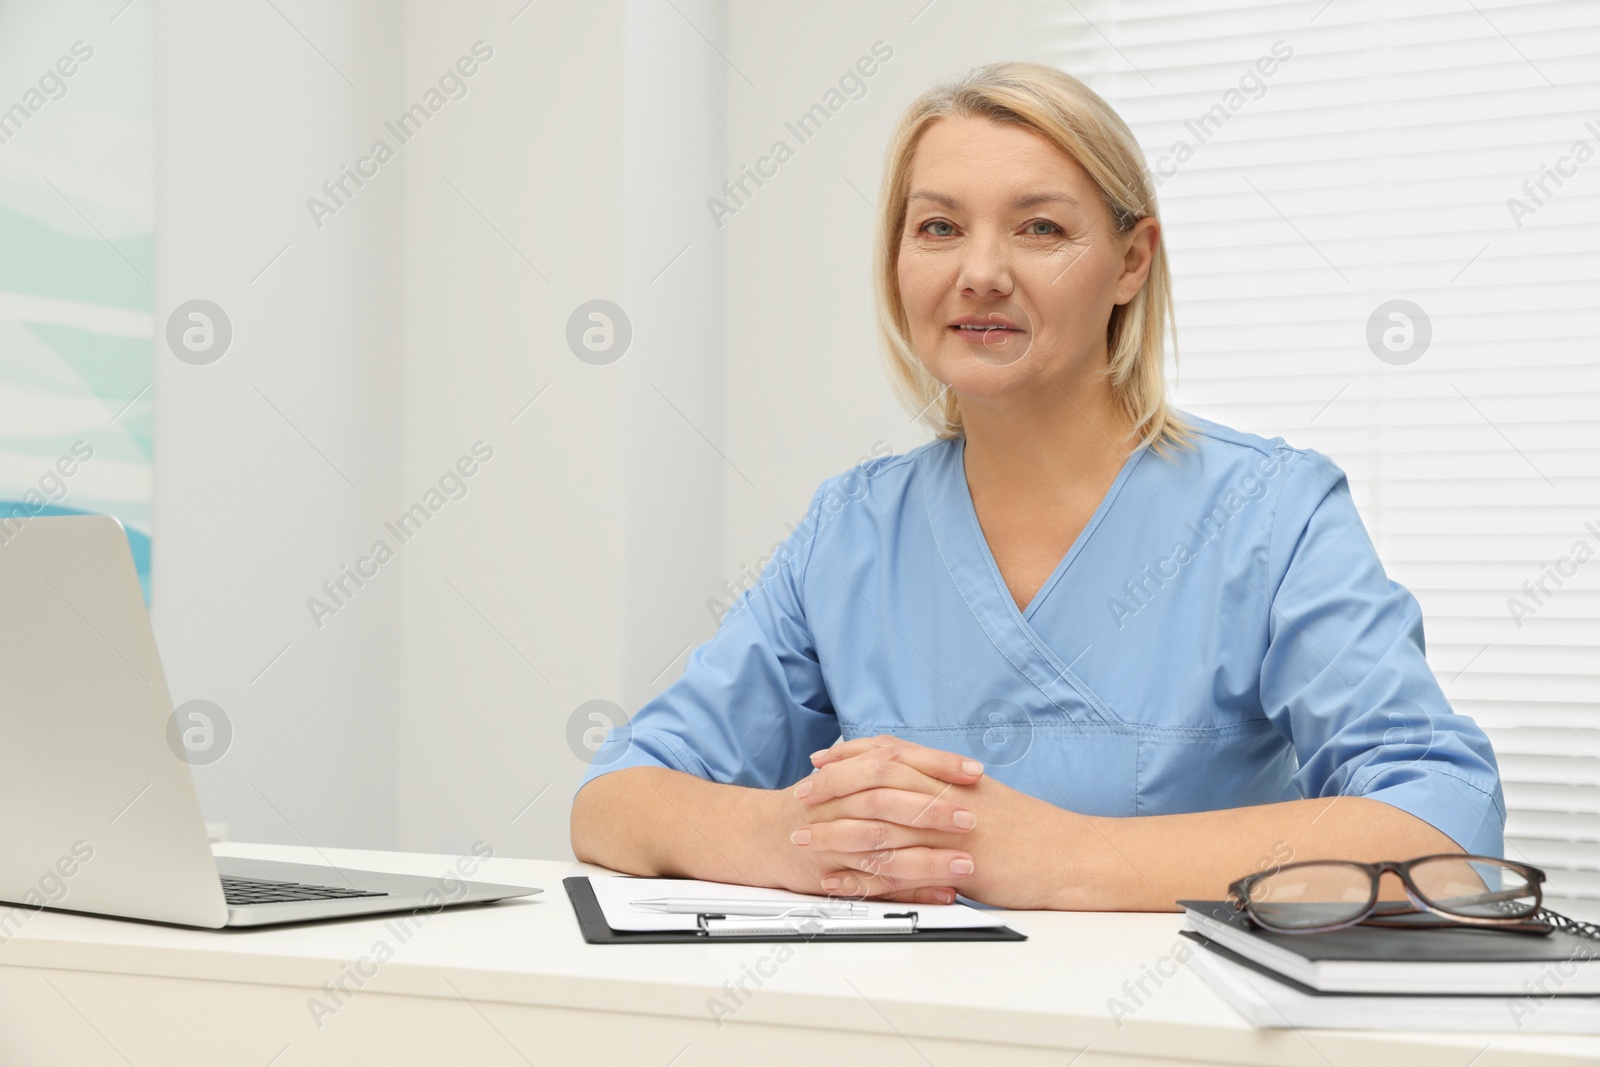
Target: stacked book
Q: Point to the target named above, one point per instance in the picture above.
(1383, 978)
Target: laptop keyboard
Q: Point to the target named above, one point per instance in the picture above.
(239, 891)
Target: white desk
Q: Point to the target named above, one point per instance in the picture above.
(514, 983)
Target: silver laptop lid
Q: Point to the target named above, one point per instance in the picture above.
(99, 814)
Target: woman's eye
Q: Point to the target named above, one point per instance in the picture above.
(1050, 228)
(925, 228)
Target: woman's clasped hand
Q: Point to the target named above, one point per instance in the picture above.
(887, 818)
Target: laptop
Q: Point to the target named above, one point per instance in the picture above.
(100, 813)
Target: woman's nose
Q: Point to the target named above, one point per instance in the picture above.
(985, 266)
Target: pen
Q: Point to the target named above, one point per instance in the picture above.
(694, 906)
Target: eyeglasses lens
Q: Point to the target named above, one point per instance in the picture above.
(1312, 894)
(1474, 887)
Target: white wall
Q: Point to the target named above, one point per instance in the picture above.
(600, 523)
(425, 315)
(533, 626)
(277, 463)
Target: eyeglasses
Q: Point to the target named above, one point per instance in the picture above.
(1314, 896)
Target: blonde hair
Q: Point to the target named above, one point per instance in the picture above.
(1070, 115)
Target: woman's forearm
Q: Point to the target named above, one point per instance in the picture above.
(663, 823)
(656, 822)
(1148, 862)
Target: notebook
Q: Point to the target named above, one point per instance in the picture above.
(1368, 959)
(1273, 1002)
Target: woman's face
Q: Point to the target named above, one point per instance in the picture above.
(1009, 262)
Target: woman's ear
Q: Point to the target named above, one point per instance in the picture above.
(1139, 253)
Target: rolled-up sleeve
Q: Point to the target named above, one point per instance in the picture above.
(752, 704)
(1345, 677)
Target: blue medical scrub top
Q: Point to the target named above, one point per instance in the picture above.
(1221, 634)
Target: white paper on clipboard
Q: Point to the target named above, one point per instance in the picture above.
(616, 894)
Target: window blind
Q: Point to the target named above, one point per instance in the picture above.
(1441, 153)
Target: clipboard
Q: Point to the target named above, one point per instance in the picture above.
(592, 924)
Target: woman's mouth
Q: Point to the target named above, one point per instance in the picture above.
(990, 339)
(984, 333)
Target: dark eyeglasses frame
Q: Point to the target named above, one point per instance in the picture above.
(1373, 915)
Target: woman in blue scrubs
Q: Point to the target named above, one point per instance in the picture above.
(1082, 650)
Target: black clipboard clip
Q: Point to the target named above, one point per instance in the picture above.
(804, 922)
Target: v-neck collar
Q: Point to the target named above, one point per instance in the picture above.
(970, 515)
(959, 538)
